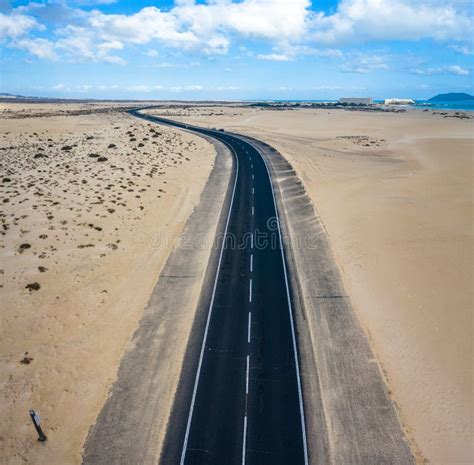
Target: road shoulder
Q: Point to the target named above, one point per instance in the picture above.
(133, 422)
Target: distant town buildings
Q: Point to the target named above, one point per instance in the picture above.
(399, 101)
(356, 100)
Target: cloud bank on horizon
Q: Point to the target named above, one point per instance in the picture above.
(236, 49)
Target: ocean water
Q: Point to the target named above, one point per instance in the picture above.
(467, 105)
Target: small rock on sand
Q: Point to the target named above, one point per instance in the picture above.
(33, 287)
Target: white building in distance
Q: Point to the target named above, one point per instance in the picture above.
(356, 100)
(399, 101)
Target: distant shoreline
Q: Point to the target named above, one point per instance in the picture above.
(454, 106)
(465, 105)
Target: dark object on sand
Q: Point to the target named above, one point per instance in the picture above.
(24, 247)
(36, 422)
(112, 146)
(102, 159)
(66, 148)
(33, 287)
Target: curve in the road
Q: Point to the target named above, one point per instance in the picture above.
(246, 404)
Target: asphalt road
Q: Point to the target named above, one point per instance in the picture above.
(245, 403)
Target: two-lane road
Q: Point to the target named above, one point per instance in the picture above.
(245, 406)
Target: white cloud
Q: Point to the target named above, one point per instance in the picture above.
(227, 88)
(327, 52)
(217, 44)
(138, 88)
(459, 70)
(148, 24)
(166, 64)
(209, 27)
(362, 64)
(93, 2)
(42, 48)
(364, 20)
(144, 88)
(113, 59)
(452, 69)
(463, 49)
(16, 25)
(294, 51)
(79, 44)
(135, 89)
(104, 49)
(190, 88)
(326, 87)
(105, 87)
(273, 19)
(152, 53)
(112, 45)
(274, 57)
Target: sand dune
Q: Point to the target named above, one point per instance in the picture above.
(395, 194)
(93, 201)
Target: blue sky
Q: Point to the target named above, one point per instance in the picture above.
(246, 49)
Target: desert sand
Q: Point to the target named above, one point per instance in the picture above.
(395, 194)
(93, 201)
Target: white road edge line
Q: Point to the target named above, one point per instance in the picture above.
(290, 309)
(196, 381)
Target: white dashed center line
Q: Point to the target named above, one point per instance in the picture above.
(250, 325)
(247, 377)
(244, 445)
(250, 290)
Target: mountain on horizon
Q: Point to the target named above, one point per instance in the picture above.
(14, 96)
(451, 97)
